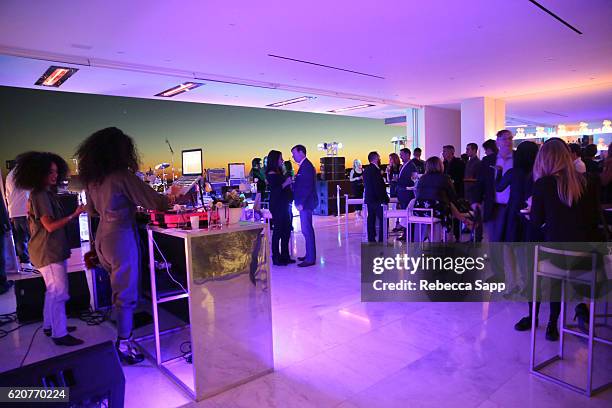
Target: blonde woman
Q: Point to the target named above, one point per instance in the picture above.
(565, 207)
(565, 203)
(356, 178)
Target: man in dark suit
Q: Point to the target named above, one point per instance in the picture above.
(305, 198)
(374, 196)
(454, 167)
(491, 203)
(405, 181)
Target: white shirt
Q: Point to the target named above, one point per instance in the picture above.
(302, 161)
(17, 198)
(506, 164)
(580, 166)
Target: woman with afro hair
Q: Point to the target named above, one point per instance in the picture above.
(49, 248)
(107, 162)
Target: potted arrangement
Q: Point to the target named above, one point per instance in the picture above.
(235, 203)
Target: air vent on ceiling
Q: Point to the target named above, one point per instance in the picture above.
(290, 101)
(179, 89)
(350, 108)
(55, 76)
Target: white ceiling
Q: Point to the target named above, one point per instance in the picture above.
(428, 52)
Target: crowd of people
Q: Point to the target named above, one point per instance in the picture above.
(555, 182)
(553, 192)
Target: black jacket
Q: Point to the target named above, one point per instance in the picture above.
(375, 190)
(280, 196)
(405, 180)
(517, 228)
(456, 170)
(560, 223)
(484, 191)
(304, 186)
(436, 186)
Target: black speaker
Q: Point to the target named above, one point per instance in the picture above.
(30, 297)
(332, 160)
(93, 375)
(328, 189)
(329, 176)
(69, 203)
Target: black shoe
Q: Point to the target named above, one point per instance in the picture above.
(67, 340)
(552, 334)
(524, 324)
(279, 263)
(289, 261)
(70, 329)
(128, 352)
(301, 258)
(305, 264)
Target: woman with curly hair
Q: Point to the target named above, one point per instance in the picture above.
(49, 248)
(108, 162)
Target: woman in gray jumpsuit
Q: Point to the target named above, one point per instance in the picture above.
(107, 162)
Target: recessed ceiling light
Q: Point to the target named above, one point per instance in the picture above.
(55, 76)
(290, 101)
(366, 105)
(179, 89)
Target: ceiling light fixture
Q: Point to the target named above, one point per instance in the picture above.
(179, 89)
(366, 105)
(290, 101)
(55, 76)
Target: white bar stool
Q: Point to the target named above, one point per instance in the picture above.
(585, 277)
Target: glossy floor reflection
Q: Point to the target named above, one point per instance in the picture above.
(331, 350)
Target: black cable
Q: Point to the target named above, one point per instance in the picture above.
(30, 346)
(94, 318)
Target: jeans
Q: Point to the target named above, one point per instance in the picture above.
(21, 234)
(309, 236)
(54, 313)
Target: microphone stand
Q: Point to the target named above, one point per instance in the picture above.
(172, 159)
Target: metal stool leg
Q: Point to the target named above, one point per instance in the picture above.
(562, 320)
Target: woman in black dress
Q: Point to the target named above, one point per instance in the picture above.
(435, 190)
(565, 208)
(280, 197)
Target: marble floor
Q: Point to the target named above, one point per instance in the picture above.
(331, 350)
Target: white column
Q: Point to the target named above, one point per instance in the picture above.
(481, 118)
(440, 127)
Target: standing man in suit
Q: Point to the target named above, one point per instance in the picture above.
(375, 195)
(405, 181)
(305, 198)
(491, 203)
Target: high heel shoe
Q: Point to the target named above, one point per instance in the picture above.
(582, 314)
